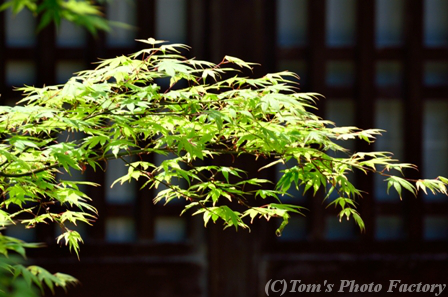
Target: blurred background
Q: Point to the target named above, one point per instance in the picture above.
(379, 63)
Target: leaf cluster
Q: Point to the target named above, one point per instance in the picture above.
(19, 280)
(83, 13)
(158, 102)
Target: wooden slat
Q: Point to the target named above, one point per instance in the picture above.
(198, 28)
(119, 51)
(435, 92)
(95, 46)
(3, 59)
(291, 250)
(44, 56)
(388, 208)
(389, 92)
(72, 53)
(45, 75)
(144, 209)
(233, 253)
(365, 101)
(339, 92)
(18, 53)
(437, 54)
(389, 54)
(118, 210)
(145, 18)
(239, 29)
(341, 53)
(97, 232)
(413, 107)
(434, 208)
(291, 53)
(267, 19)
(348, 53)
(316, 82)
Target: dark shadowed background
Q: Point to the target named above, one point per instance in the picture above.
(380, 63)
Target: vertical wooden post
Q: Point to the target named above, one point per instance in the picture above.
(239, 29)
(144, 208)
(316, 83)
(413, 109)
(198, 32)
(45, 52)
(365, 100)
(243, 29)
(98, 194)
(2, 54)
(234, 256)
(45, 56)
(145, 18)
